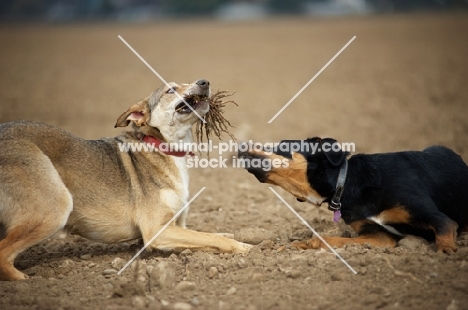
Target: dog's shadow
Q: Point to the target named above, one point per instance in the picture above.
(54, 252)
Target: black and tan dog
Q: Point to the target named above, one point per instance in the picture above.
(381, 196)
(50, 179)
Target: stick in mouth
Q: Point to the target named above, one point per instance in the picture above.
(216, 123)
(192, 100)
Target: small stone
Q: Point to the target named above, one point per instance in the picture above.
(231, 291)
(118, 263)
(242, 263)
(208, 262)
(185, 286)
(85, 257)
(311, 260)
(433, 275)
(195, 302)
(295, 274)
(91, 265)
(150, 299)
(267, 245)
(254, 235)
(182, 306)
(186, 252)
(108, 272)
(213, 272)
(138, 301)
(164, 303)
(162, 275)
(66, 263)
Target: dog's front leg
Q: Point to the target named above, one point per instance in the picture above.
(178, 238)
(380, 239)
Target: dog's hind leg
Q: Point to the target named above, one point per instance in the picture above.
(425, 214)
(18, 239)
(34, 204)
(445, 234)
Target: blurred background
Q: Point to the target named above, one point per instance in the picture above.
(146, 10)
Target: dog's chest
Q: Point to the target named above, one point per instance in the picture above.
(181, 165)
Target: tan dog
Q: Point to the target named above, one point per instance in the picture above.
(50, 179)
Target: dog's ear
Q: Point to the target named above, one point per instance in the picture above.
(139, 113)
(317, 140)
(332, 151)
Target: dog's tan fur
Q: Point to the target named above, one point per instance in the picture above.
(50, 179)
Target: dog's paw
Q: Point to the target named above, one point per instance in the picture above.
(226, 235)
(447, 249)
(446, 244)
(243, 248)
(313, 243)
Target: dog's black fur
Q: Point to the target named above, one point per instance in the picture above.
(424, 192)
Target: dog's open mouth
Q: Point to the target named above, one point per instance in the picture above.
(193, 101)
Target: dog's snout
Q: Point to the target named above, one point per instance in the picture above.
(242, 149)
(203, 83)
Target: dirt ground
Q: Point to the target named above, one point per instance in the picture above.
(400, 85)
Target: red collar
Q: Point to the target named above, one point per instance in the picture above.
(156, 142)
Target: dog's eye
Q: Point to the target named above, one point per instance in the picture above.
(170, 91)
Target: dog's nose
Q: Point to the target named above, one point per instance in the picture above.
(203, 83)
(242, 149)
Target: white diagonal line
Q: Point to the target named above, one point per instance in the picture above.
(311, 80)
(313, 230)
(161, 230)
(161, 78)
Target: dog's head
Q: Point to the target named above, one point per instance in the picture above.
(307, 169)
(166, 110)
